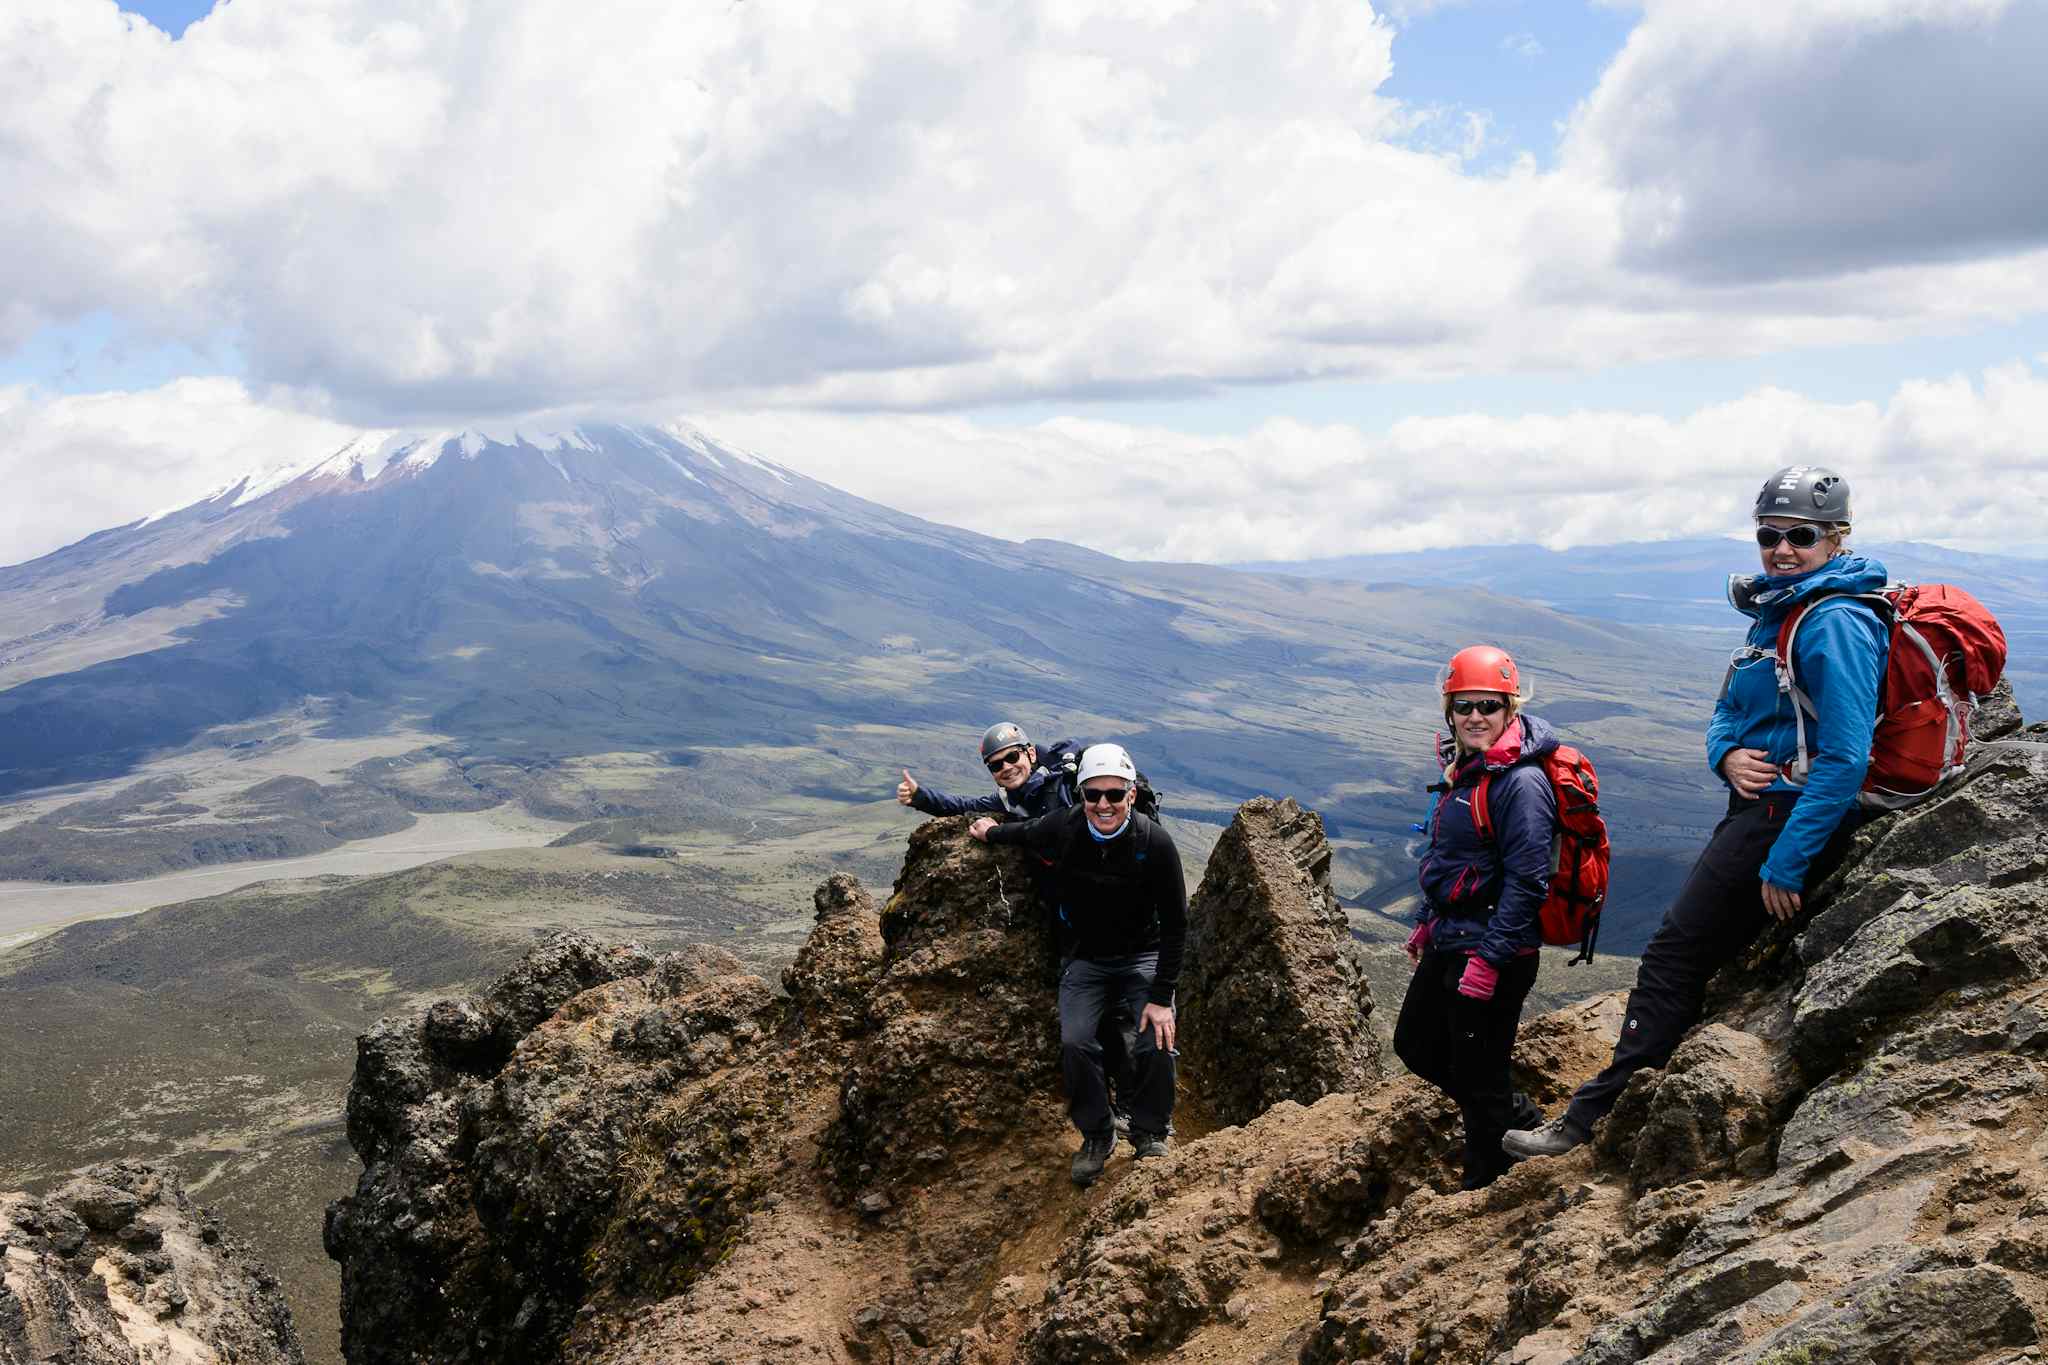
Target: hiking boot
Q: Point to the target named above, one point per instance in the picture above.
(1527, 1116)
(1554, 1138)
(1093, 1156)
(1147, 1144)
(1120, 1121)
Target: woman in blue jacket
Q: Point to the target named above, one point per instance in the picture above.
(1783, 829)
(1474, 948)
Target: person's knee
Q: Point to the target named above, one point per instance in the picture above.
(1074, 1048)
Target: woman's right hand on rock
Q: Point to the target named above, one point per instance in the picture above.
(906, 789)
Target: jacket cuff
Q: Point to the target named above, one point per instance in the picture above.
(1796, 885)
(1717, 752)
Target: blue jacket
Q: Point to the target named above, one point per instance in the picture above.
(1042, 793)
(1482, 895)
(1838, 660)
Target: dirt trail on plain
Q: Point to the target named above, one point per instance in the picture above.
(31, 909)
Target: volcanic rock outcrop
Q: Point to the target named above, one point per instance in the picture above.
(1845, 1161)
(1275, 985)
(117, 1267)
(618, 1157)
(962, 1049)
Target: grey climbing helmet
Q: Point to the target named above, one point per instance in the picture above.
(1805, 492)
(1004, 734)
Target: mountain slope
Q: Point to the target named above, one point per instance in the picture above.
(545, 599)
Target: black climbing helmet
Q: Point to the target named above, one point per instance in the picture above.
(1805, 492)
(1004, 734)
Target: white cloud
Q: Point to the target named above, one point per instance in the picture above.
(462, 209)
(1950, 459)
(1523, 45)
(83, 463)
(1942, 459)
(1759, 140)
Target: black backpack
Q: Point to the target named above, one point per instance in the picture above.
(1063, 760)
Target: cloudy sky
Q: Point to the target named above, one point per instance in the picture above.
(1228, 280)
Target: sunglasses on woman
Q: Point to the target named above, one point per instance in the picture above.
(1804, 536)
(1113, 795)
(1004, 759)
(1485, 706)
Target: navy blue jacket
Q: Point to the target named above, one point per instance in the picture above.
(1482, 895)
(1041, 794)
(1838, 657)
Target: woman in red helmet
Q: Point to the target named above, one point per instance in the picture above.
(1474, 946)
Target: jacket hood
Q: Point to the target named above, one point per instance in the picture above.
(1526, 738)
(1761, 595)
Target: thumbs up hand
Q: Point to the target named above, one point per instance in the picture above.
(906, 789)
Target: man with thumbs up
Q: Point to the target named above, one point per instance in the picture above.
(1023, 789)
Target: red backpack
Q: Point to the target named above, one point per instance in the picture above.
(1579, 851)
(1946, 651)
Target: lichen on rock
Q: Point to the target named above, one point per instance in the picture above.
(118, 1265)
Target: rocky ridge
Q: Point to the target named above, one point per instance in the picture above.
(117, 1267)
(661, 1159)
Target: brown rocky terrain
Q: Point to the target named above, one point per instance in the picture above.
(117, 1267)
(620, 1158)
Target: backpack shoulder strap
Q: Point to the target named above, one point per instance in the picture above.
(1482, 812)
(1880, 602)
(1788, 684)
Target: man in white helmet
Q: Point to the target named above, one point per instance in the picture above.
(1121, 912)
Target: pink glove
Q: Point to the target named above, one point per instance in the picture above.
(1418, 942)
(1479, 979)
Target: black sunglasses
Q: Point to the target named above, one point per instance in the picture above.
(1004, 759)
(1485, 707)
(1113, 795)
(1804, 536)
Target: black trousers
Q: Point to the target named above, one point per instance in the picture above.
(1718, 913)
(1462, 1047)
(1118, 1031)
(1090, 990)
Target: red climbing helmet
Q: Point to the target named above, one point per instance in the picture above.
(1482, 668)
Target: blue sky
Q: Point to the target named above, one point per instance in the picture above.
(1523, 64)
(172, 16)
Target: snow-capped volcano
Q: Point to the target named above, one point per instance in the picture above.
(376, 455)
(493, 577)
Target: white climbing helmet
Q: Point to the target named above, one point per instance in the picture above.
(1106, 760)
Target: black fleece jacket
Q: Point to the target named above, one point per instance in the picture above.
(1112, 899)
